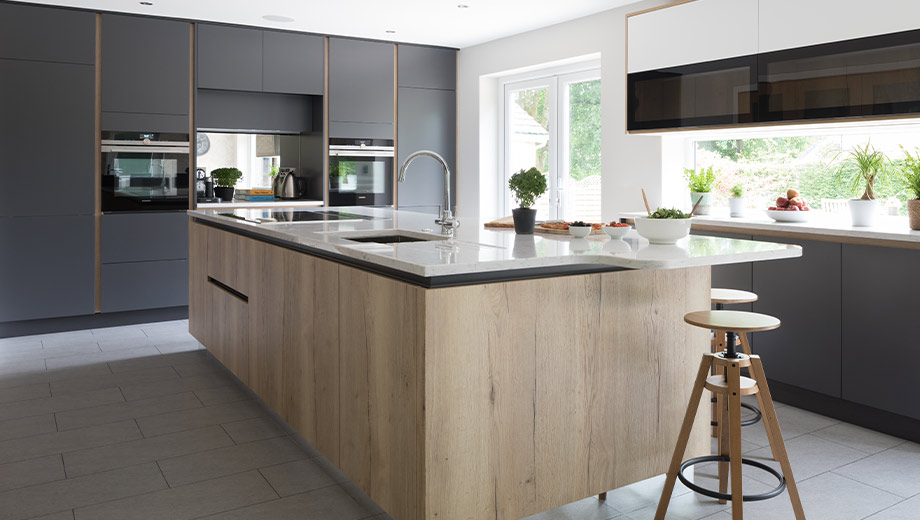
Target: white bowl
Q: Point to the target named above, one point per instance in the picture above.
(580, 231)
(788, 216)
(616, 232)
(662, 230)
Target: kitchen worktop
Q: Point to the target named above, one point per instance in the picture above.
(476, 250)
(279, 203)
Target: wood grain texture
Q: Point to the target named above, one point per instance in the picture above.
(199, 315)
(267, 290)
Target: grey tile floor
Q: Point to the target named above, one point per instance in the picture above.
(139, 422)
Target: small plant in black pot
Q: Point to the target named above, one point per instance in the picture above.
(224, 181)
(526, 186)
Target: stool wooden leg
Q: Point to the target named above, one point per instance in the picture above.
(602, 496)
(718, 345)
(775, 435)
(745, 344)
(734, 424)
(724, 446)
(695, 395)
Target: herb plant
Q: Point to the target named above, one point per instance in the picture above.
(737, 191)
(527, 186)
(870, 165)
(700, 181)
(226, 177)
(668, 213)
(910, 173)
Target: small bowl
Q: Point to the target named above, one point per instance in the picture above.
(580, 231)
(616, 232)
(665, 231)
(788, 216)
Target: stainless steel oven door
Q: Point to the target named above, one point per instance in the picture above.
(360, 176)
(144, 178)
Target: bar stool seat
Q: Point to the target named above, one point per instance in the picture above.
(735, 321)
(721, 296)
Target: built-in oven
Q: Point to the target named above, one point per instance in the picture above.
(145, 171)
(361, 172)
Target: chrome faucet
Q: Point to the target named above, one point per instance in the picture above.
(447, 221)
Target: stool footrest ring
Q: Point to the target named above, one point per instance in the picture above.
(753, 420)
(727, 496)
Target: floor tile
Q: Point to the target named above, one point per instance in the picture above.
(61, 350)
(641, 494)
(127, 331)
(21, 370)
(172, 386)
(224, 394)
(792, 422)
(322, 504)
(186, 502)
(199, 417)
(85, 384)
(587, 509)
(114, 344)
(906, 510)
(858, 438)
(156, 360)
(125, 410)
(23, 393)
(35, 376)
(63, 515)
(197, 368)
(78, 492)
(225, 461)
(296, 477)
(101, 357)
(27, 426)
(94, 460)
(809, 456)
(64, 338)
(173, 346)
(59, 403)
(19, 344)
(896, 470)
(33, 471)
(255, 429)
(61, 442)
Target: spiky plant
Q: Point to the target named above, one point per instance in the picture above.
(910, 172)
(870, 165)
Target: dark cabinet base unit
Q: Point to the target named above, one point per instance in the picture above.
(140, 237)
(144, 285)
(11, 329)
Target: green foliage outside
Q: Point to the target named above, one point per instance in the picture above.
(226, 177)
(756, 149)
(527, 186)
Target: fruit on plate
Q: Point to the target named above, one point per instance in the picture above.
(617, 224)
(791, 193)
(793, 201)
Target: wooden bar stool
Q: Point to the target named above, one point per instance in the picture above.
(722, 297)
(731, 385)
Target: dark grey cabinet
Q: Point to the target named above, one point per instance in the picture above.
(46, 267)
(145, 66)
(880, 291)
(361, 77)
(229, 58)
(427, 121)
(144, 285)
(805, 294)
(273, 113)
(293, 63)
(136, 237)
(427, 67)
(47, 143)
(30, 32)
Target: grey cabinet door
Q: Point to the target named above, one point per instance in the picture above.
(144, 285)
(46, 267)
(427, 67)
(880, 290)
(361, 76)
(804, 293)
(139, 237)
(29, 32)
(248, 111)
(145, 65)
(229, 58)
(47, 143)
(427, 121)
(293, 63)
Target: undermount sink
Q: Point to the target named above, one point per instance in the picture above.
(391, 239)
(396, 236)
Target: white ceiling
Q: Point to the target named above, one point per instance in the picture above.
(434, 22)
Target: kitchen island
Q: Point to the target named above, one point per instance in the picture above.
(488, 375)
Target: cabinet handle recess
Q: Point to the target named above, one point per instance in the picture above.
(229, 289)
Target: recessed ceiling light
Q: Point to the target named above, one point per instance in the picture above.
(278, 18)
(463, 6)
(146, 3)
(391, 31)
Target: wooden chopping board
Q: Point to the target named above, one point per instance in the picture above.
(508, 223)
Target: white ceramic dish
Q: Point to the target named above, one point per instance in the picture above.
(579, 231)
(788, 216)
(616, 232)
(662, 230)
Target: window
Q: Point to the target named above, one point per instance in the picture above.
(553, 123)
(766, 167)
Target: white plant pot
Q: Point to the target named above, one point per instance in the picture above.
(863, 212)
(736, 207)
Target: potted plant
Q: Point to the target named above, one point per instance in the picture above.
(700, 183)
(224, 181)
(910, 176)
(736, 201)
(861, 170)
(526, 186)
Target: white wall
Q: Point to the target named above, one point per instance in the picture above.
(629, 162)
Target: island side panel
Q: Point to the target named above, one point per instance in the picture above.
(543, 392)
(381, 389)
(199, 316)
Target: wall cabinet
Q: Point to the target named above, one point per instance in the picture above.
(427, 121)
(46, 267)
(361, 82)
(293, 63)
(426, 67)
(145, 67)
(35, 33)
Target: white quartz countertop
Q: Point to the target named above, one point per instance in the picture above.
(476, 249)
(279, 203)
(829, 225)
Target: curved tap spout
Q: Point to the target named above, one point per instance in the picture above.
(447, 220)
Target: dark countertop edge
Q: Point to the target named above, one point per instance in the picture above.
(433, 282)
(807, 234)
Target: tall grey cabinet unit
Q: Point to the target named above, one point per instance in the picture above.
(361, 77)
(426, 120)
(47, 162)
(145, 74)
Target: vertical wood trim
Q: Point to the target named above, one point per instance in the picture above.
(192, 134)
(326, 126)
(97, 177)
(396, 126)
